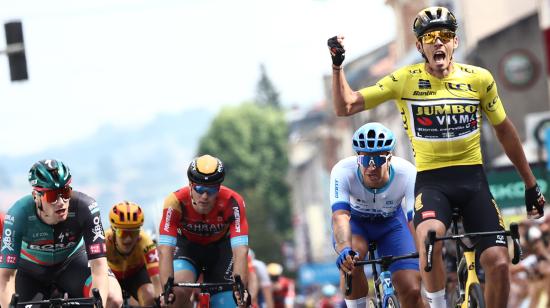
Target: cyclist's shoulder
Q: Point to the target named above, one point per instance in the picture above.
(82, 200)
(407, 71)
(21, 210)
(468, 71)
(345, 165)
(402, 165)
(471, 69)
(227, 194)
(176, 198)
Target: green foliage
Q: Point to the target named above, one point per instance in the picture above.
(252, 143)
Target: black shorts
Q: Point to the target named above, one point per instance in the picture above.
(438, 191)
(133, 283)
(36, 282)
(214, 260)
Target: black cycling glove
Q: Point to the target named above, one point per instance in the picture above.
(534, 199)
(337, 51)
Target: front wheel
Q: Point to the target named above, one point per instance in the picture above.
(392, 302)
(476, 299)
(374, 303)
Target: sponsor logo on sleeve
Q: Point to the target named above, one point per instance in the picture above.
(490, 87)
(152, 256)
(237, 214)
(492, 105)
(7, 241)
(92, 206)
(11, 259)
(167, 219)
(9, 219)
(97, 229)
(95, 248)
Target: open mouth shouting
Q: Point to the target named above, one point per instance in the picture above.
(439, 57)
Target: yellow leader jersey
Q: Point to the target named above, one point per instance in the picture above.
(143, 254)
(442, 117)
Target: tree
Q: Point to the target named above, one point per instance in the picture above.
(266, 94)
(252, 143)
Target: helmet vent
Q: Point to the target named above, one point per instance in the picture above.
(429, 14)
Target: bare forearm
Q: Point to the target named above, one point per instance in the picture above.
(342, 230)
(346, 101)
(166, 266)
(157, 285)
(100, 279)
(7, 286)
(240, 267)
(508, 137)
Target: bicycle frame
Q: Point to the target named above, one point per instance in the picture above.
(468, 253)
(383, 279)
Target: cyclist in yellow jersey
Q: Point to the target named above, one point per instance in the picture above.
(132, 255)
(441, 104)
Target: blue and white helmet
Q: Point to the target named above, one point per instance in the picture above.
(373, 137)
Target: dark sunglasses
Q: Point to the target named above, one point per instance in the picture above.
(52, 195)
(210, 190)
(376, 161)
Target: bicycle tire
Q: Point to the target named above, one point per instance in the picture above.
(392, 302)
(476, 299)
(374, 303)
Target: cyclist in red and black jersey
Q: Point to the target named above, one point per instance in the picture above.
(203, 231)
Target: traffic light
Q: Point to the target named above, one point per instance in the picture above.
(15, 50)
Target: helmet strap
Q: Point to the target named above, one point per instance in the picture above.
(38, 201)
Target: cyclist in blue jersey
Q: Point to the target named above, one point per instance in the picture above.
(372, 199)
(49, 238)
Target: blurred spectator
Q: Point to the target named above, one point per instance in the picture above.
(531, 277)
(283, 287)
(262, 294)
(329, 297)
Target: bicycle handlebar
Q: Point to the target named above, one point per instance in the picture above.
(431, 238)
(237, 284)
(168, 289)
(61, 302)
(385, 261)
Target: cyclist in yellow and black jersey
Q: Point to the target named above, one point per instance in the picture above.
(441, 104)
(131, 253)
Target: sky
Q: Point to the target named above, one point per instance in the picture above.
(122, 62)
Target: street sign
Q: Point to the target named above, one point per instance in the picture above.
(508, 188)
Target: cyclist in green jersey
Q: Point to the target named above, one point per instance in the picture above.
(53, 239)
(441, 104)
